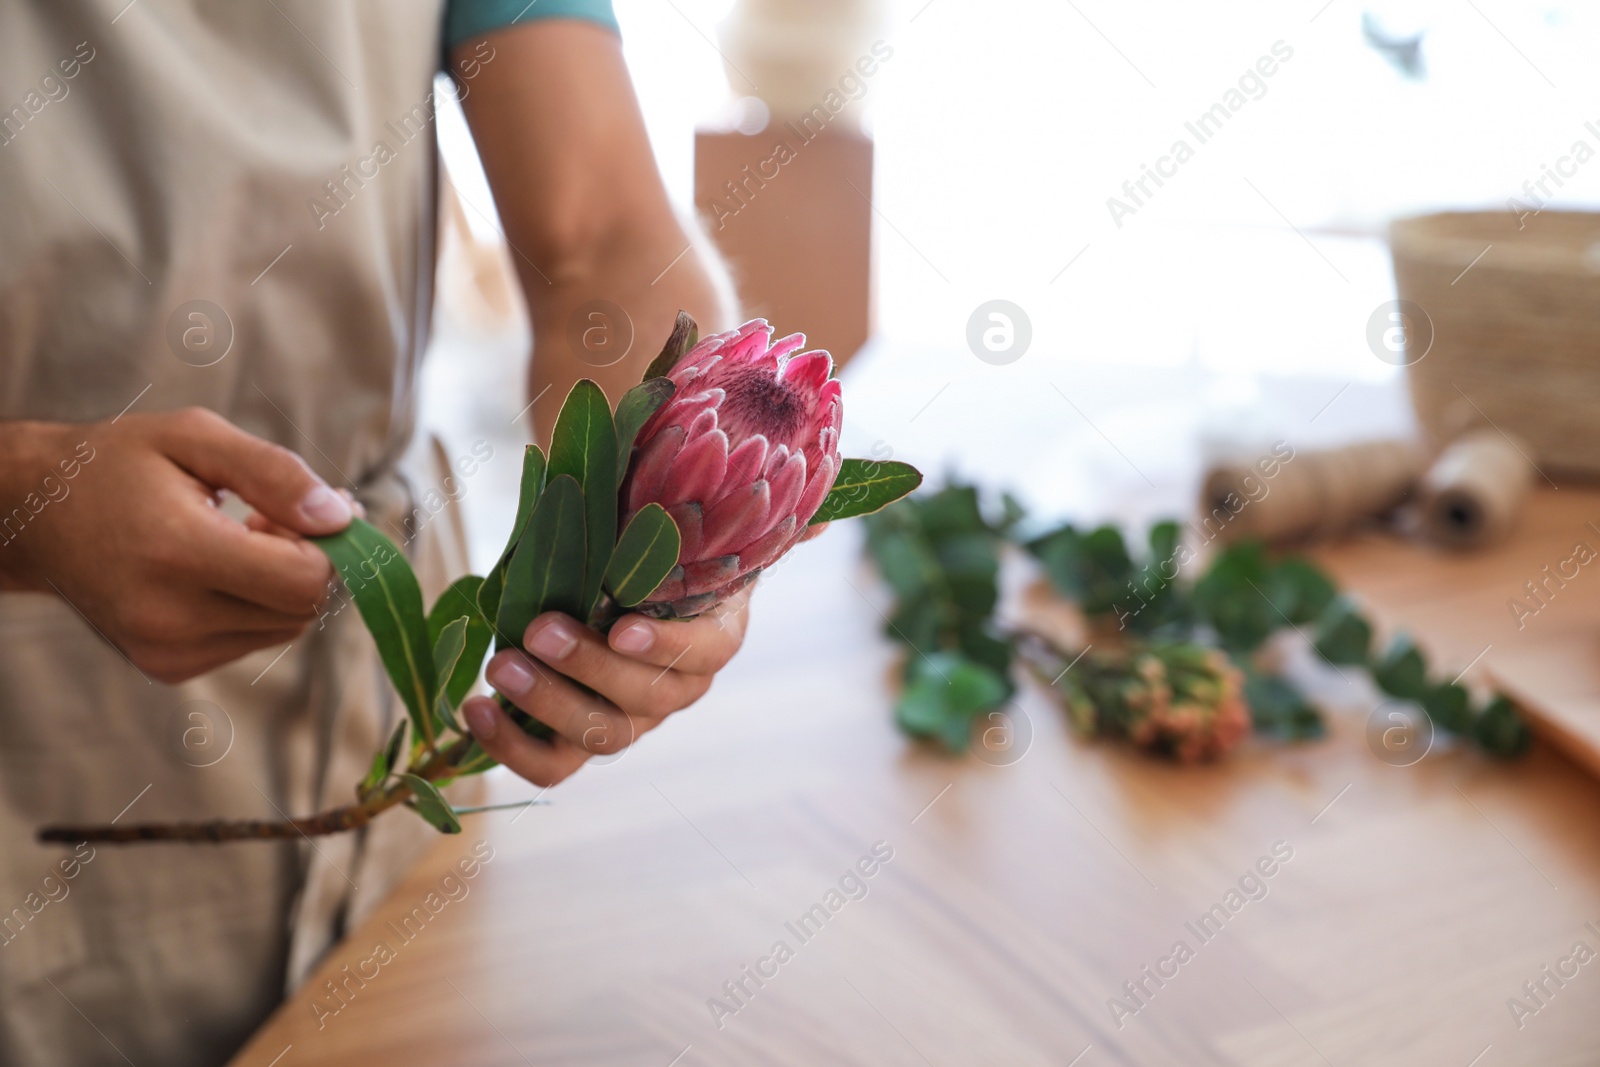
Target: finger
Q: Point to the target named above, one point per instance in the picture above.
(544, 763)
(268, 477)
(356, 506)
(702, 645)
(231, 646)
(174, 663)
(282, 574)
(224, 613)
(261, 524)
(561, 645)
(583, 718)
(813, 531)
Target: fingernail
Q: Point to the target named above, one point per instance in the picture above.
(324, 507)
(512, 677)
(552, 641)
(635, 638)
(481, 719)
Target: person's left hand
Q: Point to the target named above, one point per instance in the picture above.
(643, 671)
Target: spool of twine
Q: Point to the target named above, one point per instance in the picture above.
(1312, 494)
(1473, 492)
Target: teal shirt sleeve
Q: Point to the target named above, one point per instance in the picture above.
(465, 19)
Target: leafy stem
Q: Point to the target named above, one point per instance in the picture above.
(447, 763)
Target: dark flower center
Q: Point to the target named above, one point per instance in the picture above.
(757, 402)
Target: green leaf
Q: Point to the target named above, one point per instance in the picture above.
(1300, 590)
(1233, 596)
(1155, 603)
(902, 552)
(1278, 709)
(428, 802)
(476, 761)
(447, 651)
(533, 477)
(1500, 730)
(584, 447)
(944, 693)
(953, 510)
(645, 553)
(1448, 705)
(396, 746)
(863, 486)
(461, 601)
(460, 598)
(684, 336)
(979, 644)
(546, 571)
(1401, 671)
(1343, 636)
(1093, 569)
(633, 411)
(383, 762)
(918, 624)
(390, 601)
(1163, 539)
(531, 484)
(1011, 513)
(971, 564)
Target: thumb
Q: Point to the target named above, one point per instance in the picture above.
(268, 477)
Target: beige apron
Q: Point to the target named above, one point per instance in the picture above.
(153, 155)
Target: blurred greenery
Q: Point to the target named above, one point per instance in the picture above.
(940, 554)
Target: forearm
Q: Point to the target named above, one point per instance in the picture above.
(564, 147)
(644, 278)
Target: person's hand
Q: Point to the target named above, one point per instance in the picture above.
(133, 539)
(643, 671)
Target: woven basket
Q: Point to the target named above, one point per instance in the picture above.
(1516, 338)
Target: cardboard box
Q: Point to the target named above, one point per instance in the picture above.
(789, 209)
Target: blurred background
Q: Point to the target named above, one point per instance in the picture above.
(1235, 297)
(1030, 285)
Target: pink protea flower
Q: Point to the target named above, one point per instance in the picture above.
(741, 457)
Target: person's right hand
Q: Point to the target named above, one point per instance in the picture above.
(135, 541)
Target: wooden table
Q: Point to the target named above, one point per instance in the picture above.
(1024, 889)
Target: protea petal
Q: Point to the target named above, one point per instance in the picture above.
(687, 371)
(809, 371)
(650, 466)
(688, 517)
(745, 463)
(750, 342)
(775, 461)
(785, 345)
(708, 575)
(817, 488)
(671, 588)
(787, 483)
(689, 606)
(738, 519)
(830, 402)
(703, 424)
(698, 469)
(769, 546)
